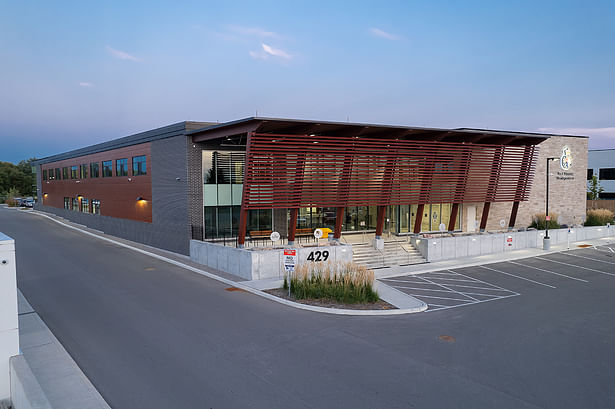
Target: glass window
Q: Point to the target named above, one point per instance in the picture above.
(121, 167)
(94, 169)
(607, 174)
(95, 206)
(50, 174)
(139, 165)
(107, 169)
(73, 172)
(590, 174)
(83, 171)
(45, 174)
(67, 203)
(85, 205)
(75, 204)
(65, 173)
(58, 174)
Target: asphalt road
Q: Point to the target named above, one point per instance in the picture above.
(152, 335)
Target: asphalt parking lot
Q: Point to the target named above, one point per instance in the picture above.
(577, 269)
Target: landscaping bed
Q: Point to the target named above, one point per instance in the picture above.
(378, 305)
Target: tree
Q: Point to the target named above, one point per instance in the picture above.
(594, 189)
(19, 177)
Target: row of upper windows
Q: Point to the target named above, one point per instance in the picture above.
(139, 167)
(603, 174)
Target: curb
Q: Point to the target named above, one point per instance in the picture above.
(335, 311)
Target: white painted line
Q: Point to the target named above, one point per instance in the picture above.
(243, 286)
(548, 271)
(449, 289)
(480, 288)
(440, 298)
(592, 259)
(516, 276)
(477, 302)
(574, 265)
(481, 281)
(451, 279)
(400, 281)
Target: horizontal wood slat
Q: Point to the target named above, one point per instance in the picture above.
(289, 171)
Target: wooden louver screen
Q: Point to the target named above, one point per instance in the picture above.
(290, 171)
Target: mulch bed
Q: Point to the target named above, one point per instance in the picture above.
(379, 305)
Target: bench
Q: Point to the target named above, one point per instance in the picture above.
(260, 234)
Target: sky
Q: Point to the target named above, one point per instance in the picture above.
(75, 73)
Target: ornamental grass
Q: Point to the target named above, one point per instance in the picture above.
(598, 217)
(539, 221)
(347, 282)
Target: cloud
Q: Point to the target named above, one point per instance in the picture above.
(122, 55)
(268, 51)
(252, 31)
(383, 34)
(599, 137)
(86, 84)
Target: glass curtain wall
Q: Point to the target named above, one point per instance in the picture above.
(222, 188)
(398, 219)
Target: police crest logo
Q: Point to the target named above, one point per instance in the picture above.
(566, 159)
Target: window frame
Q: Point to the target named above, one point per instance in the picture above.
(121, 172)
(141, 165)
(107, 165)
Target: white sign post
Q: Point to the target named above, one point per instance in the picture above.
(290, 260)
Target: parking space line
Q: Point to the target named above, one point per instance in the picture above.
(481, 281)
(480, 288)
(574, 265)
(592, 259)
(450, 289)
(603, 245)
(516, 276)
(441, 298)
(471, 303)
(451, 279)
(548, 271)
(401, 281)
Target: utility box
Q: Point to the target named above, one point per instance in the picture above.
(9, 327)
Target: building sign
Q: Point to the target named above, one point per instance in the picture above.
(565, 163)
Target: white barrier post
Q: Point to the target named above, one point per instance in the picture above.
(9, 331)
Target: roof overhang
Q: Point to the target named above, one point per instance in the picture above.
(346, 129)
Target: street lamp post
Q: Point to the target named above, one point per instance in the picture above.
(546, 242)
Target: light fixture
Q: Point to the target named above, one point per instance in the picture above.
(45, 194)
(79, 196)
(140, 199)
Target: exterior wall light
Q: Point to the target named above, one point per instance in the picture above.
(45, 194)
(140, 199)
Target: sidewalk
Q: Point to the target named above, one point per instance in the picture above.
(63, 383)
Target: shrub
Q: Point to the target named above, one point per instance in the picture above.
(539, 221)
(348, 283)
(598, 217)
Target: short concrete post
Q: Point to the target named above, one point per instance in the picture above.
(9, 327)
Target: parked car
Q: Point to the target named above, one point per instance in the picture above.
(27, 202)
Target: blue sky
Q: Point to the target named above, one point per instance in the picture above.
(78, 73)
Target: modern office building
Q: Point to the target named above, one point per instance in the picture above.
(601, 163)
(239, 179)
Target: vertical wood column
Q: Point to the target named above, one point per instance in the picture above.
(453, 219)
(418, 219)
(292, 225)
(380, 221)
(243, 214)
(339, 215)
(483, 219)
(513, 215)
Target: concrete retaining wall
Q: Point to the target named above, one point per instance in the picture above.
(9, 327)
(26, 393)
(445, 248)
(257, 264)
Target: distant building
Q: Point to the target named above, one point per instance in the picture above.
(601, 163)
(241, 179)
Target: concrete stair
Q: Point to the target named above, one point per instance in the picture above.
(395, 253)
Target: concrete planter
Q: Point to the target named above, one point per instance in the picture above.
(446, 248)
(259, 264)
